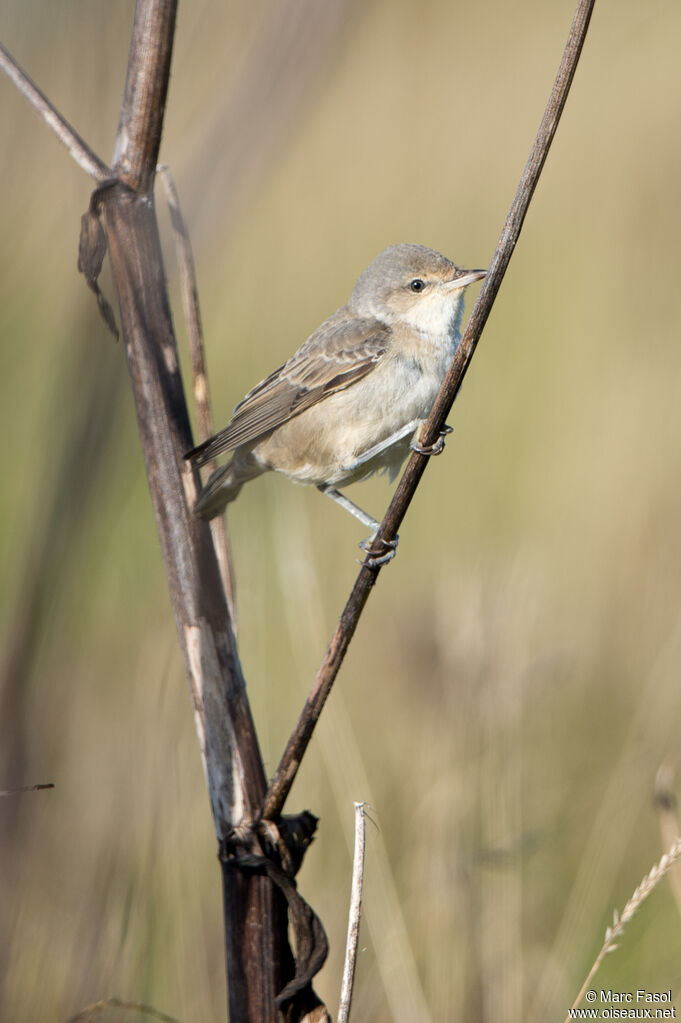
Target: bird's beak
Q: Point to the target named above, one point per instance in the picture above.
(462, 278)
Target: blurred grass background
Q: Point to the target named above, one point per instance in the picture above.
(513, 686)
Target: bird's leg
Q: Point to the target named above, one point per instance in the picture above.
(383, 445)
(367, 520)
(432, 449)
(345, 502)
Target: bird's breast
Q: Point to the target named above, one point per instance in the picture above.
(420, 365)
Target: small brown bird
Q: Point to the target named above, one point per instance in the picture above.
(350, 401)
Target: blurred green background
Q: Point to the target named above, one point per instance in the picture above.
(513, 687)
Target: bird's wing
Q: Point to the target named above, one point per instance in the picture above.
(340, 352)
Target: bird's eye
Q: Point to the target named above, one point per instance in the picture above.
(417, 284)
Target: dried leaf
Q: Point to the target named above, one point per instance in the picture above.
(91, 252)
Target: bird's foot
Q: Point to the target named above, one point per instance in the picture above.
(375, 559)
(432, 449)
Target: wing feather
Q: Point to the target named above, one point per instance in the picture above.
(340, 352)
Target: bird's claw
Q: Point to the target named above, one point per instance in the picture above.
(373, 558)
(432, 449)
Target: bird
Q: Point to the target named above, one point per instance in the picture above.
(349, 403)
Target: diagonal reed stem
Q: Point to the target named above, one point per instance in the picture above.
(284, 776)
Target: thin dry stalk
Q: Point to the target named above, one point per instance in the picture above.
(285, 774)
(190, 303)
(354, 915)
(189, 290)
(68, 136)
(619, 922)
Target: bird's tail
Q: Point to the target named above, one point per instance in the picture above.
(223, 486)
